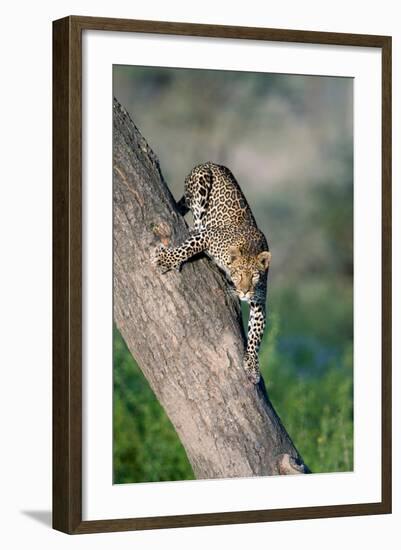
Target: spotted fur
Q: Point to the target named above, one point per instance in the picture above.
(226, 230)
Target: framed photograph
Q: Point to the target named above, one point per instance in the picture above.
(222, 274)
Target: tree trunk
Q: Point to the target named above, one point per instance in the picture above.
(185, 330)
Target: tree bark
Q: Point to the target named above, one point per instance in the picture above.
(185, 330)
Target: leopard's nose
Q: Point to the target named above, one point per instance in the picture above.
(244, 295)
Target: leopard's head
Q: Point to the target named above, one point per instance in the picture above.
(246, 271)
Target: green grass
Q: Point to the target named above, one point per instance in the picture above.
(145, 444)
(312, 390)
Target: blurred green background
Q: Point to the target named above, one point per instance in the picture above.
(288, 139)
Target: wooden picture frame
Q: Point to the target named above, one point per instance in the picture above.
(67, 273)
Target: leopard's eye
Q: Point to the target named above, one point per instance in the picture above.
(255, 278)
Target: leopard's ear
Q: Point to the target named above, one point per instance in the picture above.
(234, 252)
(264, 259)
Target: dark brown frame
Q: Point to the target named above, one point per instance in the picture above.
(67, 279)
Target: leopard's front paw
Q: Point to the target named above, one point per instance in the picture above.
(251, 366)
(159, 258)
(162, 257)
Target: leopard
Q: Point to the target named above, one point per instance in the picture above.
(225, 229)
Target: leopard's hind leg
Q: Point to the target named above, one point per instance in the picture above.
(182, 206)
(197, 189)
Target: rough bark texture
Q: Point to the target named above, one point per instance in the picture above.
(184, 329)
